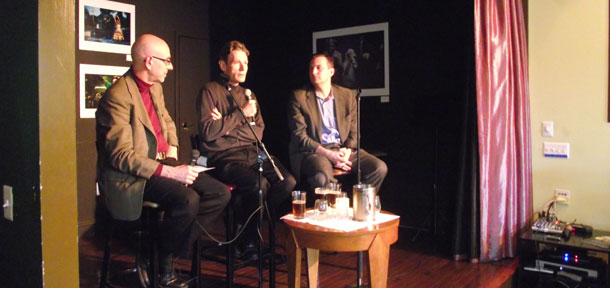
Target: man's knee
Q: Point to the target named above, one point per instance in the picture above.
(224, 196)
(289, 182)
(192, 203)
(381, 169)
(319, 179)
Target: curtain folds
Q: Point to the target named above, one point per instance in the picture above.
(505, 180)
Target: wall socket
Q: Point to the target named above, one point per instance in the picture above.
(7, 202)
(564, 194)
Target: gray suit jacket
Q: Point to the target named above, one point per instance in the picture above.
(127, 145)
(305, 122)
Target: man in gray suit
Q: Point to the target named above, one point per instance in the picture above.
(322, 120)
(137, 158)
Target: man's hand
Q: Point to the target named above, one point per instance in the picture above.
(345, 153)
(250, 108)
(183, 173)
(344, 164)
(216, 114)
(340, 159)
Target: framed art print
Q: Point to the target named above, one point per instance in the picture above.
(361, 57)
(106, 26)
(94, 80)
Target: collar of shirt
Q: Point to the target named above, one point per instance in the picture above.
(142, 86)
(321, 97)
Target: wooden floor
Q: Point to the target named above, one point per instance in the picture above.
(420, 263)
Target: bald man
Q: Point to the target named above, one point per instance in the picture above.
(137, 158)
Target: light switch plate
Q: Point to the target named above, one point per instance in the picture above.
(547, 129)
(556, 150)
(7, 202)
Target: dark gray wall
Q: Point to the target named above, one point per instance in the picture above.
(431, 48)
(20, 241)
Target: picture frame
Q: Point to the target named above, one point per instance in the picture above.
(361, 57)
(93, 81)
(106, 26)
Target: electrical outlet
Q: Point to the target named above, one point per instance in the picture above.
(565, 194)
(7, 202)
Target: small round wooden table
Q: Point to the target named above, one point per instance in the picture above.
(376, 239)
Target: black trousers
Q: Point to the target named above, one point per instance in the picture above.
(317, 170)
(239, 167)
(202, 201)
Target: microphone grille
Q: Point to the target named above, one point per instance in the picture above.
(248, 93)
(195, 154)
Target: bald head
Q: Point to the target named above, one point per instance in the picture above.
(145, 52)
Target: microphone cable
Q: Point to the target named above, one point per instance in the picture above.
(219, 242)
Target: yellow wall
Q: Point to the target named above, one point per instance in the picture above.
(58, 143)
(568, 66)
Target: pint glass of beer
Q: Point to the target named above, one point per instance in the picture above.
(298, 204)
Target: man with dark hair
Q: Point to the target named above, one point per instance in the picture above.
(230, 145)
(323, 130)
(137, 158)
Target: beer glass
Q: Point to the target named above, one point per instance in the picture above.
(333, 190)
(298, 204)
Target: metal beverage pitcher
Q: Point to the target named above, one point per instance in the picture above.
(364, 202)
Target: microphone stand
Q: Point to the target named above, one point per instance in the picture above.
(259, 158)
(359, 179)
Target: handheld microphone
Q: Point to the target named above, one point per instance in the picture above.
(194, 156)
(248, 94)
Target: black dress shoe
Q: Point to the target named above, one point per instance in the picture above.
(171, 281)
(168, 278)
(142, 264)
(247, 251)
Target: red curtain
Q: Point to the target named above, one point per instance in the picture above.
(503, 126)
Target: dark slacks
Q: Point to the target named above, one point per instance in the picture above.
(317, 170)
(239, 167)
(202, 201)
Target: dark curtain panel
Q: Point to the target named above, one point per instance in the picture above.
(503, 120)
(466, 225)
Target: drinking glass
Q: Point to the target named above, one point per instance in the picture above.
(342, 206)
(333, 190)
(320, 208)
(321, 191)
(377, 206)
(298, 204)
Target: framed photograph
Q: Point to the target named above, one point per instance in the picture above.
(94, 80)
(106, 26)
(361, 57)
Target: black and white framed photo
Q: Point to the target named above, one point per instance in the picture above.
(361, 57)
(94, 80)
(106, 26)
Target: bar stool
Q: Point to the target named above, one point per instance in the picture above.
(147, 225)
(229, 258)
(229, 215)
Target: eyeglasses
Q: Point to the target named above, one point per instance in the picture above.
(167, 61)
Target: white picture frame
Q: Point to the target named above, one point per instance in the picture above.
(98, 22)
(361, 56)
(93, 81)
